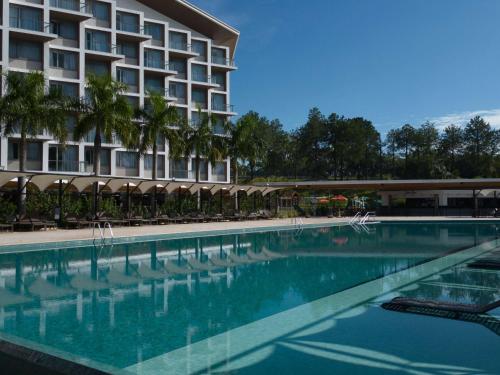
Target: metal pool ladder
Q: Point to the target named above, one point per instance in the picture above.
(367, 217)
(356, 218)
(298, 222)
(102, 231)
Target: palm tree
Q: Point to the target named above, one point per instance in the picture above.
(29, 109)
(106, 112)
(159, 120)
(251, 144)
(201, 141)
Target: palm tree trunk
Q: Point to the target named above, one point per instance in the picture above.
(235, 176)
(198, 194)
(154, 175)
(97, 170)
(21, 181)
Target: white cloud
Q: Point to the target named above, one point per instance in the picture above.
(491, 115)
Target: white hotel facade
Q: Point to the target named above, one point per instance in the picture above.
(168, 46)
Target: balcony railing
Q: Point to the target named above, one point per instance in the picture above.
(218, 60)
(221, 107)
(75, 5)
(100, 46)
(181, 46)
(33, 24)
(64, 165)
(130, 27)
(156, 64)
(200, 77)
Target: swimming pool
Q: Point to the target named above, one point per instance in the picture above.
(298, 300)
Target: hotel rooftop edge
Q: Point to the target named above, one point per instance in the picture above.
(169, 46)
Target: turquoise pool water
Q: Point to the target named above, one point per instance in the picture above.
(303, 301)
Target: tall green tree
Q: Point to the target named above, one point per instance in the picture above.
(159, 123)
(451, 148)
(252, 141)
(106, 112)
(28, 109)
(480, 147)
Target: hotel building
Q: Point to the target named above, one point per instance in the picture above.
(168, 46)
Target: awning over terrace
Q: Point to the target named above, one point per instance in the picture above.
(389, 185)
(80, 183)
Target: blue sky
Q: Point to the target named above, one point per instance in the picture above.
(391, 61)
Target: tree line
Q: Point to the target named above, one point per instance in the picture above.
(337, 147)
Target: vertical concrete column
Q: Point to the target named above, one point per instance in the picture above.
(45, 156)
(81, 158)
(113, 36)
(141, 166)
(46, 53)
(5, 35)
(112, 161)
(3, 152)
(141, 64)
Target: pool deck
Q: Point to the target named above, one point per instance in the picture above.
(18, 238)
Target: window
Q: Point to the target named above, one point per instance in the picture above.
(66, 89)
(26, 18)
(98, 41)
(127, 76)
(99, 10)
(180, 66)
(178, 40)
(220, 79)
(154, 59)
(63, 60)
(127, 159)
(154, 84)
(25, 50)
(200, 48)
(63, 159)
(160, 163)
(13, 153)
(219, 56)
(218, 102)
(34, 151)
(199, 97)
(155, 30)
(219, 171)
(127, 22)
(98, 68)
(64, 29)
(128, 49)
(199, 73)
(177, 90)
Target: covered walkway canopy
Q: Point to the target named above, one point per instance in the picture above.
(389, 185)
(80, 183)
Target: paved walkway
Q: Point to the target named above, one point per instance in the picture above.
(58, 235)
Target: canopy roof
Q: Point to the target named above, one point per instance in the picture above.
(114, 184)
(390, 185)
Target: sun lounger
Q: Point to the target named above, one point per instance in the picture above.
(272, 254)
(173, 269)
(146, 272)
(240, 259)
(7, 227)
(258, 256)
(117, 278)
(466, 313)
(43, 289)
(11, 299)
(86, 284)
(224, 263)
(196, 264)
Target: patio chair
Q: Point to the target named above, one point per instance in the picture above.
(196, 264)
(223, 263)
(174, 269)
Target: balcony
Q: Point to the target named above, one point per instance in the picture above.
(223, 108)
(203, 80)
(222, 64)
(70, 9)
(158, 67)
(102, 51)
(30, 29)
(181, 49)
(131, 32)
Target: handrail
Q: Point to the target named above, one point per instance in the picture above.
(366, 217)
(356, 218)
(102, 231)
